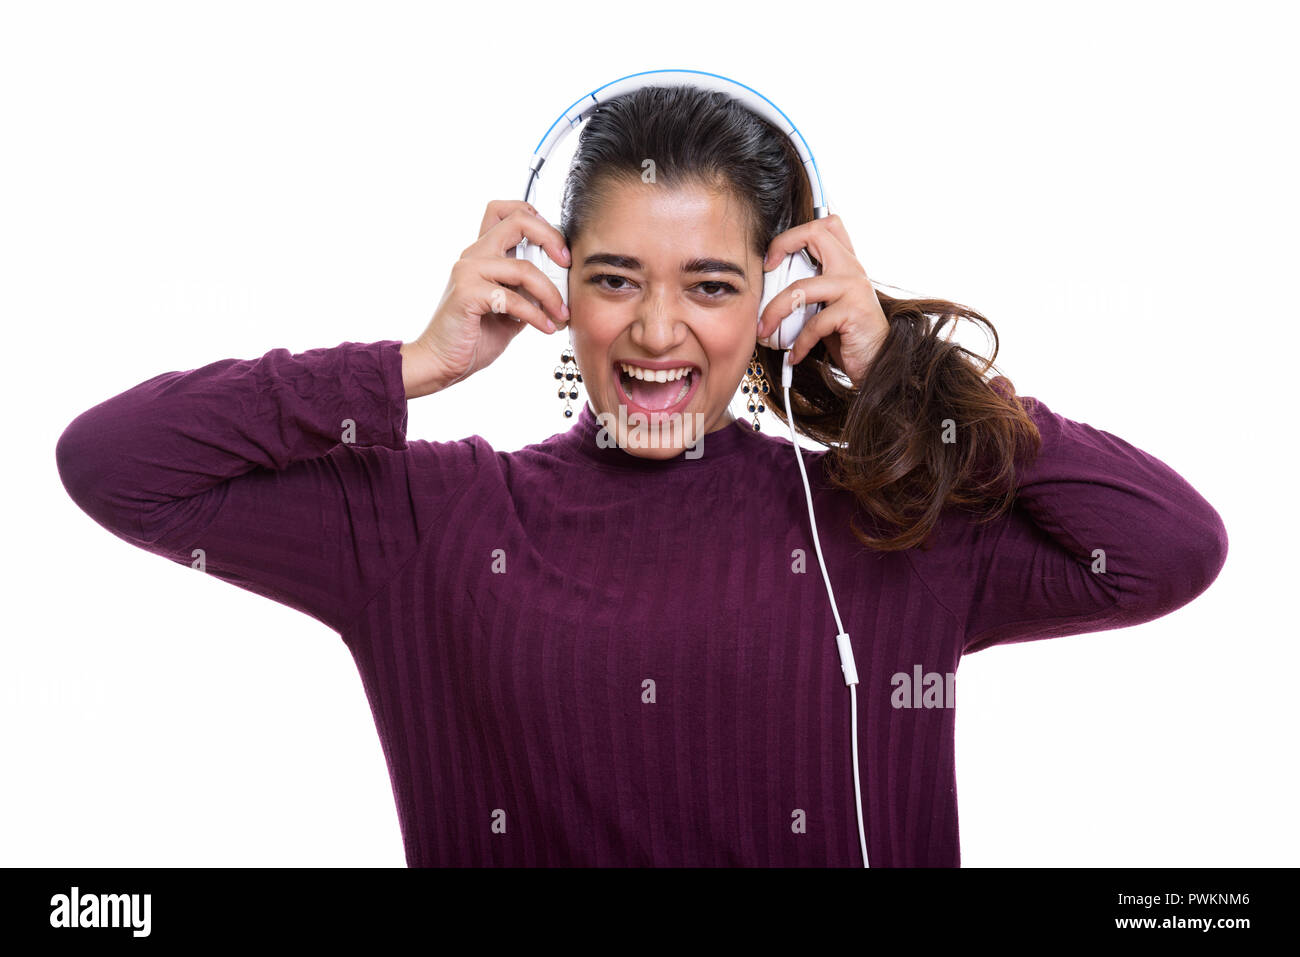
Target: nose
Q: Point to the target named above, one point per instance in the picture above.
(657, 329)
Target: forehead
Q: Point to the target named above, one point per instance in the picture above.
(651, 219)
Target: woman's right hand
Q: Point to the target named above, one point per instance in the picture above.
(488, 299)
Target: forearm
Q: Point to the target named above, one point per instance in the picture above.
(130, 459)
(1103, 535)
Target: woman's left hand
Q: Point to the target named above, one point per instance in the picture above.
(851, 321)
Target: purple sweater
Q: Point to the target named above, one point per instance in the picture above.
(575, 656)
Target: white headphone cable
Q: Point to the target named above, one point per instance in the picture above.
(847, 664)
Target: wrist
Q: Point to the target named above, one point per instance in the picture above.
(422, 374)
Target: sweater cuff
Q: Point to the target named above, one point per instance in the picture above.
(387, 355)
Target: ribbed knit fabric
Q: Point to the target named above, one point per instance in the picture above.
(575, 656)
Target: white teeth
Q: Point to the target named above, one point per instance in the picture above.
(655, 375)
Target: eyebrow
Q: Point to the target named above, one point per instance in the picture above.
(689, 266)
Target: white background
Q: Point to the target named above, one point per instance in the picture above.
(1111, 184)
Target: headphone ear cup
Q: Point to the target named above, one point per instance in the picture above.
(792, 268)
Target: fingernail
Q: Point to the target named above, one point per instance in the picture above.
(568, 256)
(550, 326)
(564, 310)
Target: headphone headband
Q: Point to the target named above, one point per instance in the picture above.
(751, 98)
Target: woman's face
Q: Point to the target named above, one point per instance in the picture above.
(664, 277)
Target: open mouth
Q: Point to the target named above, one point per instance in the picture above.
(651, 397)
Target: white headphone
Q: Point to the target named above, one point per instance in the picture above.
(795, 266)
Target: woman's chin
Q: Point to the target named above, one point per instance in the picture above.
(653, 434)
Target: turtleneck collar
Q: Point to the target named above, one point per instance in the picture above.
(717, 446)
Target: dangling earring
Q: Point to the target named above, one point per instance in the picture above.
(755, 386)
(568, 380)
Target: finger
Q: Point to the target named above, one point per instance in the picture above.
(499, 209)
(819, 288)
(836, 226)
(518, 272)
(822, 324)
(820, 241)
(522, 309)
(518, 225)
(491, 299)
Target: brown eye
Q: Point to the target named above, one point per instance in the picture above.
(596, 281)
(724, 287)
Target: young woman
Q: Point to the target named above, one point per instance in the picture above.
(597, 652)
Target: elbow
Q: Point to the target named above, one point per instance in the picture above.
(87, 462)
(74, 463)
(1214, 551)
(1183, 566)
(1202, 556)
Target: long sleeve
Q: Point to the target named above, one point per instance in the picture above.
(286, 475)
(1102, 535)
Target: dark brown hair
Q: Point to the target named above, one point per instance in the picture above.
(926, 430)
